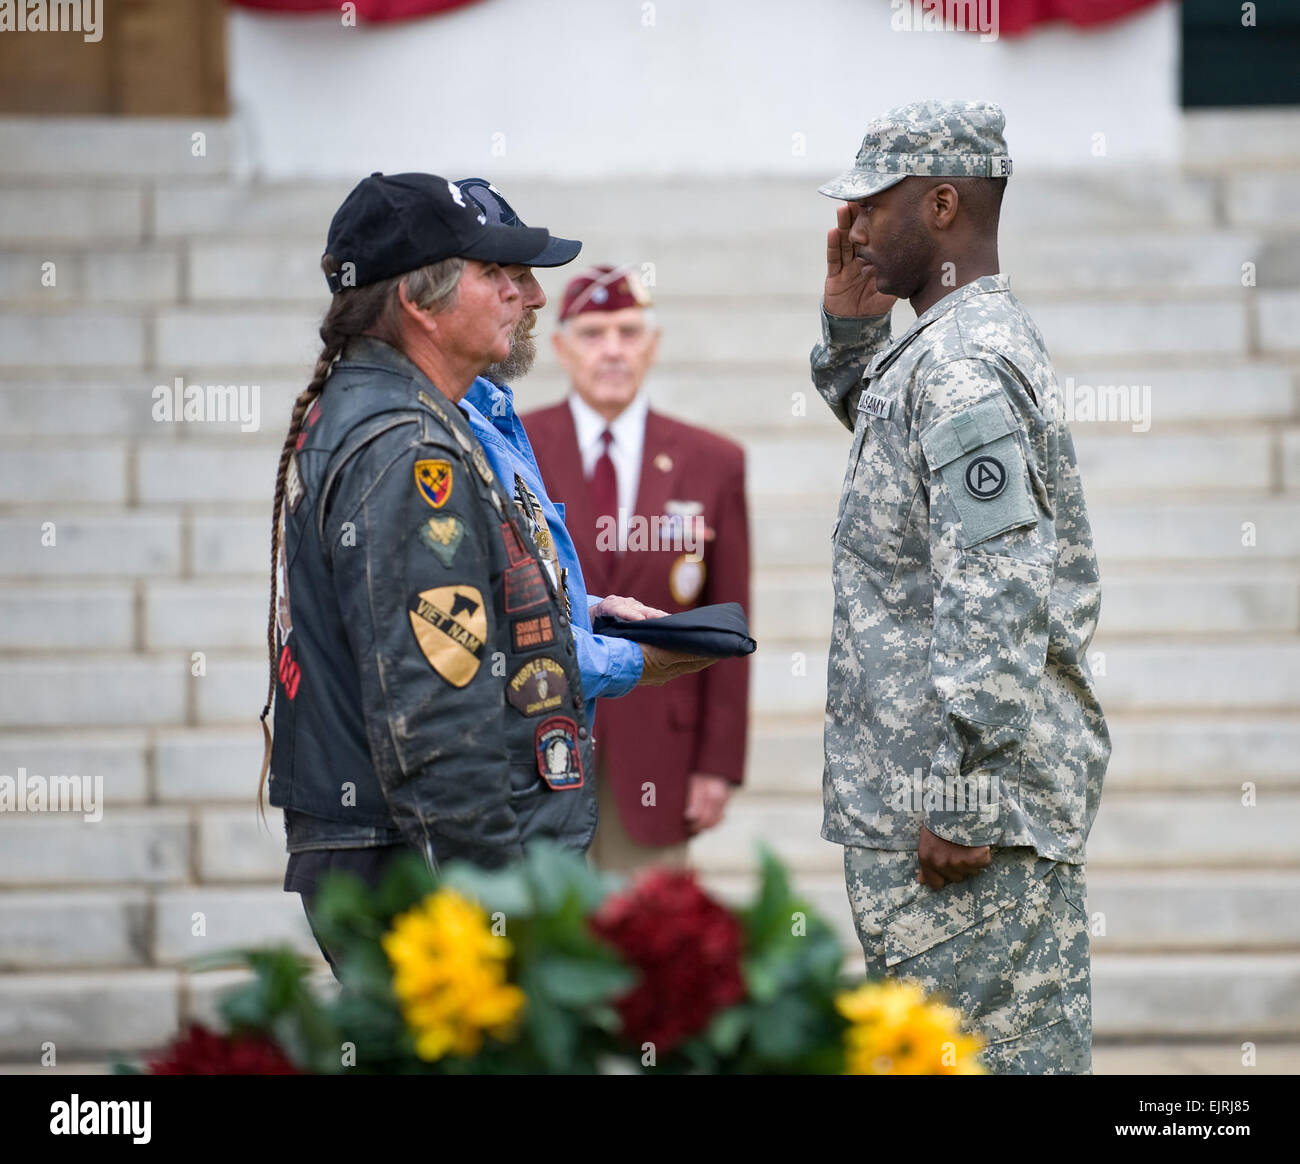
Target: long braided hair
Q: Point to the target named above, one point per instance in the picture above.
(369, 310)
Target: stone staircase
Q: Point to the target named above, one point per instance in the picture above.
(132, 651)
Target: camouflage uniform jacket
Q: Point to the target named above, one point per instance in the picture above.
(966, 587)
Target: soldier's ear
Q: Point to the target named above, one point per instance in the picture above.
(941, 202)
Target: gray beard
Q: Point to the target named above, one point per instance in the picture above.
(523, 351)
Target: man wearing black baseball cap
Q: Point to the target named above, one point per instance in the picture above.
(409, 590)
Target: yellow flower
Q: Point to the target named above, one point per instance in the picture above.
(895, 1031)
(449, 974)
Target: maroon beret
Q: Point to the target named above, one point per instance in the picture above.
(603, 288)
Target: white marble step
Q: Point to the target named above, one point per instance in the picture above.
(1212, 325)
(213, 686)
(803, 464)
(1211, 830)
(1154, 911)
(221, 538)
(800, 606)
(287, 270)
(221, 615)
(179, 766)
(67, 929)
(230, 843)
(137, 149)
(769, 404)
(796, 532)
(790, 678)
(1249, 998)
(1175, 754)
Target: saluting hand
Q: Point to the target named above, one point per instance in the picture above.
(850, 285)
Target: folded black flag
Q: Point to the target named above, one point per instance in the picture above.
(720, 631)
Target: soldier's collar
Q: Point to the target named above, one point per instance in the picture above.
(984, 285)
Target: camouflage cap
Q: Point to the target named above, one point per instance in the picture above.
(953, 138)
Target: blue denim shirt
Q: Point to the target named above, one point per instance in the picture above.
(609, 666)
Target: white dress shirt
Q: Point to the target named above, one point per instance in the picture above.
(628, 432)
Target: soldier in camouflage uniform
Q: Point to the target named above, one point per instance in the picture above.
(965, 746)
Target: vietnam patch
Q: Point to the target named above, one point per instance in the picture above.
(558, 758)
(433, 479)
(528, 634)
(443, 536)
(539, 686)
(450, 624)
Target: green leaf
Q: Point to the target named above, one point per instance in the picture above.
(580, 982)
(496, 890)
(554, 873)
(770, 911)
(406, 881)
(781, 1033)
(552, 1034)
(344, 912)
(761, 981)
(728, 1028)
(276, 986)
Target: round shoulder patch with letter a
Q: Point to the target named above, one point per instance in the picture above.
(450, 624)
(986, 477)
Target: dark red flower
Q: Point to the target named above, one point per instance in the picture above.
(204, 1052)
(687, 948)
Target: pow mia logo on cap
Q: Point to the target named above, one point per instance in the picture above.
(986, 477)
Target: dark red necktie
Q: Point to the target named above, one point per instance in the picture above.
(604, 481)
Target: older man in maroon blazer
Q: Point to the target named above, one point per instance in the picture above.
(656, 508)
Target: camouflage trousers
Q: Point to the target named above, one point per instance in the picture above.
(1007, 947)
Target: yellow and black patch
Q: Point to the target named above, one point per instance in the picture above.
(450, 624)
(433, 479)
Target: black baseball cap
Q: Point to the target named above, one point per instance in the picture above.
(556, 253)
(393, 223)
